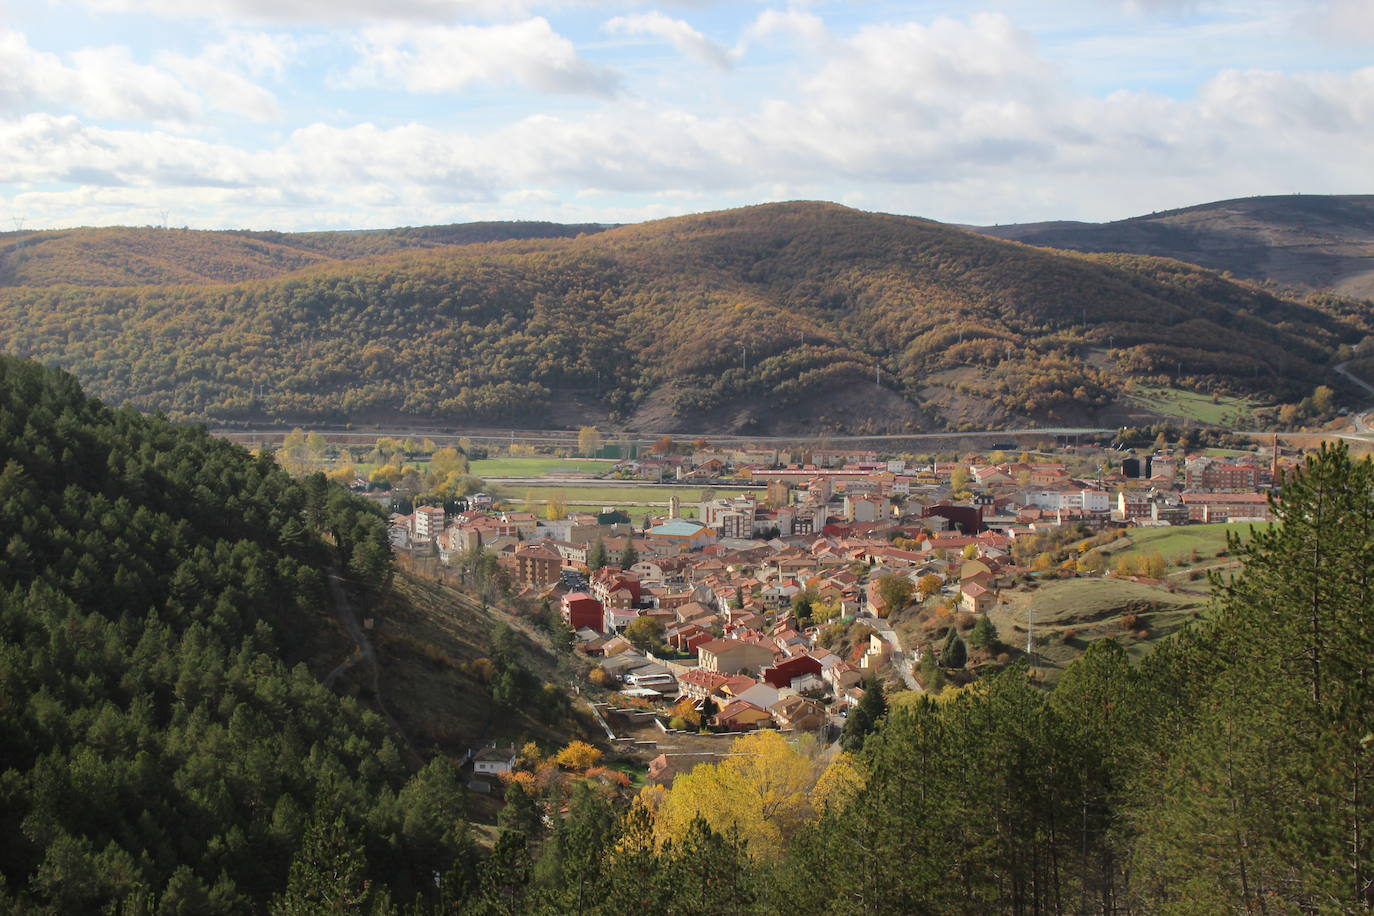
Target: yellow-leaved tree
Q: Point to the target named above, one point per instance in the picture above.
(578, 755)
(838, 783)
(588, 441)
(763, 790)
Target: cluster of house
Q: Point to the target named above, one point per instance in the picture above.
(722, 584)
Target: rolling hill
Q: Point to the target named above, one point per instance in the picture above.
(1299, 242)
(168, 732)
(134, 257)
(780, 317)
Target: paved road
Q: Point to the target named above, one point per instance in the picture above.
(1361, 418)
(565, 437)
(1354, 378)
(900, 661)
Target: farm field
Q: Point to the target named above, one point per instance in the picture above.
(1189, 405)
(539, 466)
(591, 493)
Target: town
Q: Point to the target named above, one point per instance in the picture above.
(774, 608)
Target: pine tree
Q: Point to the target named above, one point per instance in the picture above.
(521, 813)
(503, 878)
(954, 654)
(1267, 792)
(629, 556)
(864, 718)
(984, 634)
(327, 872)
(596, 557)
(710, 873)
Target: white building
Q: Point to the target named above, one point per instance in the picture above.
(1052, 498)
(429, 521)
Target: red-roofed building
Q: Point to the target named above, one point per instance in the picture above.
(783, 673)
(975, 597)
(582, 610)
(616, 588)
(1221, 507)
(741, 716)
(698, 683)
(536, 564)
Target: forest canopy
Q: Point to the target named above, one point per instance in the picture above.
(775, 304)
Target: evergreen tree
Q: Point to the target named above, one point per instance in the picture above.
(954, 654)
(629, 556)
(521, 813)
(984, 634)
(570, 866)
(1265, 797)
(327, 872)
(863, 719)
(503, 878)
(596, 557)
(709, 873)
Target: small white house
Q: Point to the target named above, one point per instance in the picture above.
(493, 761)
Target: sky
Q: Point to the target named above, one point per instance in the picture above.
(353, 114)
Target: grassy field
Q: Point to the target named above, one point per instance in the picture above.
(1072, 602)
(539, 466)
(1175, 542)
(590, 493)
(1189, 405)
(1071, 614)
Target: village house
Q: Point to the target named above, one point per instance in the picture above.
(975, 597)
(731, 656)
(742, 716)
(493, 761)
(798, 713)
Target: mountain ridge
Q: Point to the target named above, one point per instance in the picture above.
(789, 316)
(1301, 242)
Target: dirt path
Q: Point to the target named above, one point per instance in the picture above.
(365, 654)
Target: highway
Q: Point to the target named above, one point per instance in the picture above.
(563, 437)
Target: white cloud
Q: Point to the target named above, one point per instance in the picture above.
(676, 32)
(1338, 21)
(221, 72)
(101, 82)
(452, 58)
(955, 119)
(1347, 21)
(792, 23)
(314, 11)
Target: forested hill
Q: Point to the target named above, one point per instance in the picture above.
(162, 748)
(782, 316)
(1300, 241)
(131, 257)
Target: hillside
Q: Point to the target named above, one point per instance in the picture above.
(133, 257)
(167, 615)
(780, 317)
(1299, 242)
